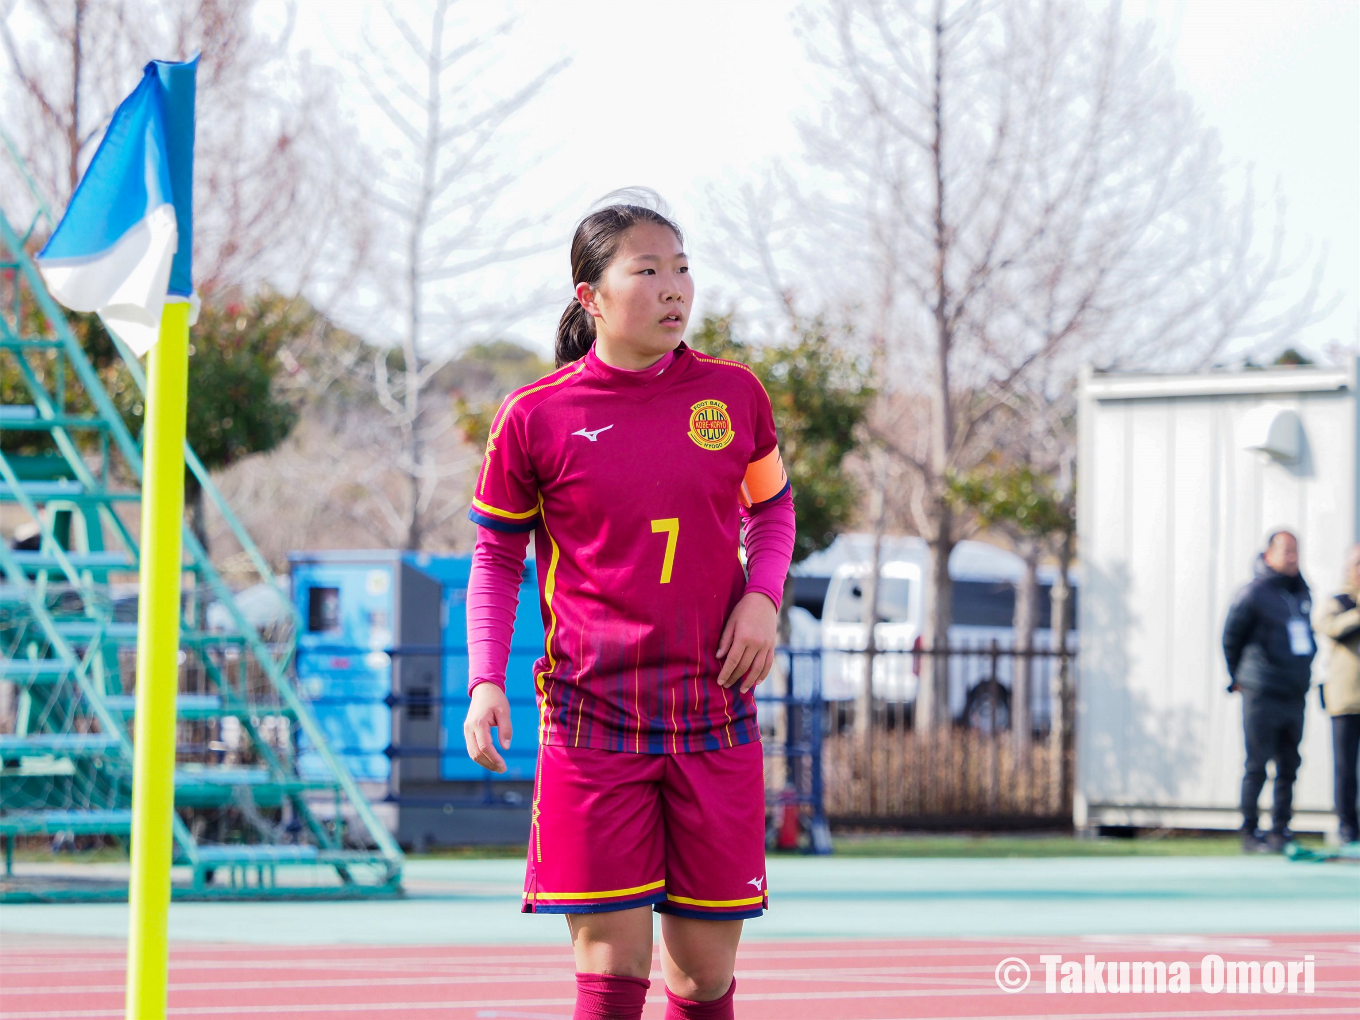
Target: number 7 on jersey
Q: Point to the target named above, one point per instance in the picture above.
(671, 526)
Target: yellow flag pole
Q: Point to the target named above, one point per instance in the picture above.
(153, 774)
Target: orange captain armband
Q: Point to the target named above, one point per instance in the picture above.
(765, 481)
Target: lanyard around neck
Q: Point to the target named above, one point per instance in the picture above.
(1293, 604)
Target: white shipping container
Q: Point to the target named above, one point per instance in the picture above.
(1180, 478)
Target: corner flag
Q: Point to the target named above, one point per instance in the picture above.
(126, 240)
(124, 249)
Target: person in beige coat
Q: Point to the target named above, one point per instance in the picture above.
(1338, 618)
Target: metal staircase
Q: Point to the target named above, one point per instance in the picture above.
(248, 822)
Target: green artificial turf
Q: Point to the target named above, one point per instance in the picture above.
(1161, 843)
(495, 852)
(1158, 843)
(1152, 844)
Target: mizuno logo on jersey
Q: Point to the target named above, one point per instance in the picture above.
(591, 434)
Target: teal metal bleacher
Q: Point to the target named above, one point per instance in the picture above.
(68, 633)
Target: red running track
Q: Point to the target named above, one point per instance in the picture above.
(44, 978)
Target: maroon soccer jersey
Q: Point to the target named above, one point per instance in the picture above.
(632, 483)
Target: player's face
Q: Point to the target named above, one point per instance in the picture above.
(642, 304)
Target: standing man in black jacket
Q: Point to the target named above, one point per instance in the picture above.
(1268, 642)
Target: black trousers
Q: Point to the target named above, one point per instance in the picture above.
(1273, 726)
(1345, 754)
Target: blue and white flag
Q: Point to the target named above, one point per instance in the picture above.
(124, 246)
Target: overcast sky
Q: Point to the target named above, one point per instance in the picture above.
(681, 96)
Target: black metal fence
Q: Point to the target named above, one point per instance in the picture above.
(997, 758)
(998, 755)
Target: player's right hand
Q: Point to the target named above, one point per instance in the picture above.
(489, 708)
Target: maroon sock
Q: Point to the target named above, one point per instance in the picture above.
(610, 997)
(685, 1009)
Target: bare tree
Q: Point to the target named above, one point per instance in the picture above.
(1009, 191)
(288, 191)
(269, 204)
(444, 192)
(327, 486)
(63, 86)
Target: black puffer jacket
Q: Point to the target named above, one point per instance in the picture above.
(1256, 634)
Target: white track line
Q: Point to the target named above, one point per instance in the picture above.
(1236, 1014)
(863, 994)
(968, 976)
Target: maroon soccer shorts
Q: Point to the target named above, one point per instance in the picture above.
(683, 832)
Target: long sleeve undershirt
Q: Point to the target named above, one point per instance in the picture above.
(498, 562)
(769, 546)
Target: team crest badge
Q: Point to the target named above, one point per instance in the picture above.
(710, 426)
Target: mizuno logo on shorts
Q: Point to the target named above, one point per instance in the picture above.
(757, 882)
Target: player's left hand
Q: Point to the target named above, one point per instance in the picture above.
(747, 644)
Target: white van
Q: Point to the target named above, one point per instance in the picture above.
(979, 682)
(901, 609)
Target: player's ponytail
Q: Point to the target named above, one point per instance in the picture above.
(593, 247)
(575, 334)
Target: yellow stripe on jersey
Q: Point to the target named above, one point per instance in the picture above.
(765, 479)
(750, 901)
(709, 359)
(508, 514)
(549, 588)
(607, 894)
(498, 426)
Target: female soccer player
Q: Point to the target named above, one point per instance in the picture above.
(635, 465)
